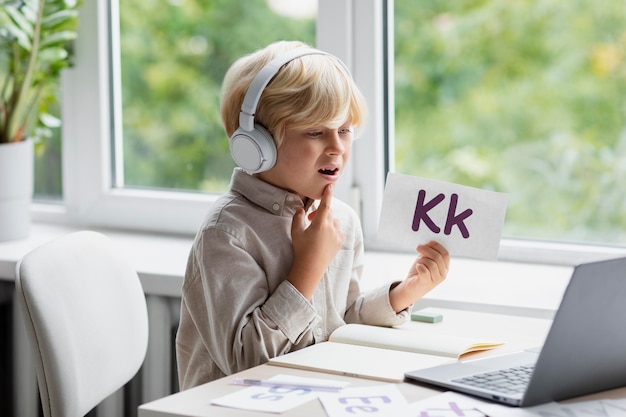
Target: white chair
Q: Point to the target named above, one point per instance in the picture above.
(86, 316)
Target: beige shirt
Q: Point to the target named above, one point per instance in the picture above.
(238, 310)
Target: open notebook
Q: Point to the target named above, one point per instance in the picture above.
(381, 353)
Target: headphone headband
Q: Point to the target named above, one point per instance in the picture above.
(262, 79)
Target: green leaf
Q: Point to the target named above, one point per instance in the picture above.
(70, 3)
(58, 38)
(58, 19)
(4, 19)
(32, 4)
(49, 120)
(14, 32)
(20, 20)
(29, 10)
(41, 132)
(53, 54)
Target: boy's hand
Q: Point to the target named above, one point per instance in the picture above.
(428, 271)
(314, 246)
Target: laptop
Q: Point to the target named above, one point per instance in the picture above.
(584, 352)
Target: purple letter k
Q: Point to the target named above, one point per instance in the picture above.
(421, 211)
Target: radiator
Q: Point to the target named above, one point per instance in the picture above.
(156, 378)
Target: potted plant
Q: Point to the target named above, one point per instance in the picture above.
(35, 45)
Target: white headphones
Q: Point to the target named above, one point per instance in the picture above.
(251, 145)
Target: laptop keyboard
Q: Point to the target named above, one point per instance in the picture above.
(508, 381)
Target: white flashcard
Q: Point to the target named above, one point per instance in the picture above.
(270, 399)
(448, 404)
(380, 400)
(467, 221)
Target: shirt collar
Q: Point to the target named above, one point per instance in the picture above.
(273, 199)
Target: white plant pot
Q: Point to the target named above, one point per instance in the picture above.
(16, 189)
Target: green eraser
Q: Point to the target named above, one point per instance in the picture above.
(426, 316)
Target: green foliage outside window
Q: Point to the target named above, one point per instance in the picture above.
(522, 97)
(174, 57)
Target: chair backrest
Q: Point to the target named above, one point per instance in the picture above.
(86, 316)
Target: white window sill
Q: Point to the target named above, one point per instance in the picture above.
(159, 259)
(503, 287)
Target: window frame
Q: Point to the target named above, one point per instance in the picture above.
(90, 198)
(354, 30)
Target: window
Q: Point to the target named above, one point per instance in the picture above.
(526, 98)
(173, 59)
(141, 126)
(141, 145)
(48, 185)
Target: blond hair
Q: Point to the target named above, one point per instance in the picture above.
(309, 91)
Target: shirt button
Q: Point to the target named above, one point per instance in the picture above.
(319, 331)
(276, 206)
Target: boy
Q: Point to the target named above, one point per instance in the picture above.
(276, 265)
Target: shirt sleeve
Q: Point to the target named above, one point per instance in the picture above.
(245, 322)
(373, 307)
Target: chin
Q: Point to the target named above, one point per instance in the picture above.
(316, 195)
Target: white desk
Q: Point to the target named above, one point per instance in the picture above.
(196, 402)
(517, 333)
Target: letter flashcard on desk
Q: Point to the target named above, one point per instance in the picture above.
(271, 399)
(380, 400)
(448, 404)
(467, 221)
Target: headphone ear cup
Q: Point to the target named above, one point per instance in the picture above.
(255, 150)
